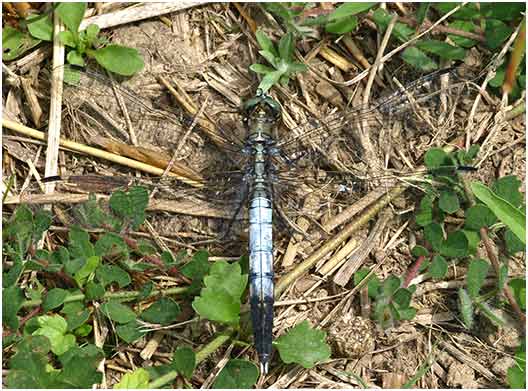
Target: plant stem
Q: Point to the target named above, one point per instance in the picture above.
(201, 355)
(124, 296)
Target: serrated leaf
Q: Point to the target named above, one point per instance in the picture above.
(119, 59)
(139, 379)
(237, 374)
(506, 212)
(442, 49)
(448, 201)
(456, 245)
(164, 312)
(465, 307)
(55, 328)
(479, 216)
(303, 345)
(55, 298)
(418, 59)
(476, 274)
(71, 14)
(118, 312)
(184, 361)
(438, 267)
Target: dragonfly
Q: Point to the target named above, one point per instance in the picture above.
(268, 176)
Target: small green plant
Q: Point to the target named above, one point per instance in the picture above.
(281, 59)
(81, 44)
(517, 373)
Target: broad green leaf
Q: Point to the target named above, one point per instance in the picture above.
(270, 57)
(164, 312)
(80, 367)
(111, 244)
(87, 271)
(465, 307)
(373, 282)
(131, 204)
(261, 68)
(348, 9)
(237, 374)
(286, 47)
(265, 43)
(507, 188)
(119, 59)
(456, 245)
(55, 328)
(496, 32)
(406, 313)
(518, 286)
(438, 267)
(402, 298)
(303, 345)
(296, 67)
(79, 243)
(476, 274)
(94, 290)
(269, 80)
(424, 216)
(118, 312)
(517, 373)
(463, 26)
(40, 26)
(473, 240)
(139, 379)
(71, 14)
(422, 11)
(479, 216)
(91, 34)
(220, 299)
(184, 361)
(434, 235)
(107, 274)
(419, 251)
(502, 11)
(491, 314)
(75, 58)
(442, 49)
(418, 59)
(506, 212)
(342, 25)
(129, 332)
(77, 319)
(55, 298)
(16, 43)
(466, 12)
(401, 31)
(12, 299)
(391, 285)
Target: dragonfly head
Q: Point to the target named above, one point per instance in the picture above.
(261, 110)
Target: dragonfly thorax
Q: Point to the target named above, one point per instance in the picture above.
(261, 115)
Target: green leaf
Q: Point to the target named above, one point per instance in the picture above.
(75, 58)
(55, 328)
(518, 286)
(390, 286)
(286, 47)
(463, 26)
(424, 216)
(456, 245)
(441, 49)
(349, 9)
(220, 299)
(402, 298)
(237, 374)
(270, 57)
(434, 235)
(448, 201)
(473, 240)
(303, 345)
(184, 361)
(502, 277)
(80, 367)
(111, 245)
(502, 11)
(467, 12)
(517, 373)
(269, 80)
(513, 244)
(418, 59)
(490, 313)
(479, 216)
(119, 59)
(419, 251)
(477, 272)
(465, 307)
(16, 43)
(373, 283)
(506, 212)
(401, 31)
(342, 25)
(139, 379)
(164, 312)
(55, 298)
(87, 271)
(12, 299)
(507, 188)
(130, 332)
(91, 34)
(496, 32)
(438, 267)
(40, 26)
(71, 14)
(118, 312)
(94, 291)
(265, 43)
(107, 274)
(261, 68)
(77, 319)
(79, 243)
(422, 11)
